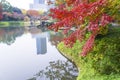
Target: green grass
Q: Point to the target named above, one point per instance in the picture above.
(103, 63)
(16, 23)
(3, 24)
(13, 23)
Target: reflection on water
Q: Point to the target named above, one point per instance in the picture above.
(57, 70)
(41, 45)
(8, 35)
(19, 59)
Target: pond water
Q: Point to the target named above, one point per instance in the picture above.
(31, 54)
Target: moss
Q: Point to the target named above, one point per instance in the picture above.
(103, 63)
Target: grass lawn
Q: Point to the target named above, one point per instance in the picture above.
(11, 23)
(16, 23)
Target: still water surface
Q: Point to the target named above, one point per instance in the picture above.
(31, 54)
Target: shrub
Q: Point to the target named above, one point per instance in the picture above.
(103, 62)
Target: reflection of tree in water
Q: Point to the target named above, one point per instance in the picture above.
(58, 70)
(9, 34)
(56, 37)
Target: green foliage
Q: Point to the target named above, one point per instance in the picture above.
(100, 64)
(103, 30)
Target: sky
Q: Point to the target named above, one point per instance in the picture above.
(23, 4)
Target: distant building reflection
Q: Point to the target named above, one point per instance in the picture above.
(41, 41)
(41, 45)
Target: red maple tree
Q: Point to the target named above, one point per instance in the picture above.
(85, 16)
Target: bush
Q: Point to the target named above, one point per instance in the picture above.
(102, 63)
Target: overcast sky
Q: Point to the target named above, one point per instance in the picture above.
(24, 4)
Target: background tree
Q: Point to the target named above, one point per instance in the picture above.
(7, 7)
(59, 2)
(41, 12)
(24, 11)
(10, 13)
(8, 16)
(17, 10)
(0, 11)
(32, 13)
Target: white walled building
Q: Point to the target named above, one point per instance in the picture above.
(41, 5)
